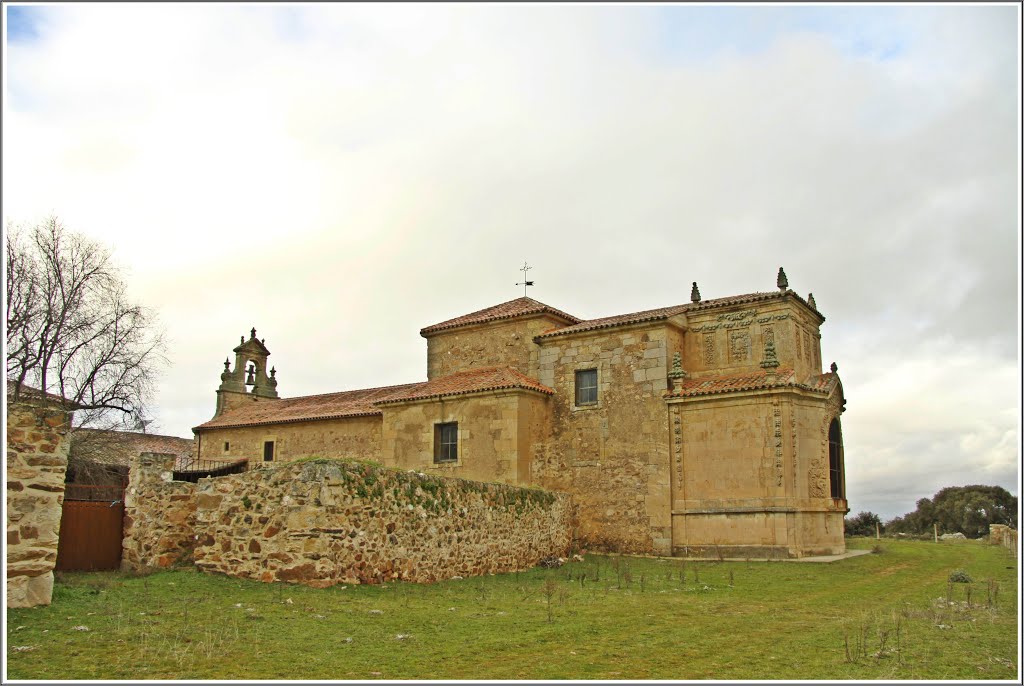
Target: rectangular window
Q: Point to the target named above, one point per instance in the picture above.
(227, 446)
(586, 387)
(446, 442)
(268, 451)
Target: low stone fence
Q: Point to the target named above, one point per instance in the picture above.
(159, 515)
(1001, 534)
(323, 522)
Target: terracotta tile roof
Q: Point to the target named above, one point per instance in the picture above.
(28, 393)
(750, 381)
(513, 308)
(306, 408)
(821, 382)
(472, 381)
(117, 447)
(661, 313)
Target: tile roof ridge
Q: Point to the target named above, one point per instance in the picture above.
(526, 305)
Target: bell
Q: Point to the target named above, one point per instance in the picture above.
(251, 378)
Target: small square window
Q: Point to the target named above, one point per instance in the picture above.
(446, 442)
(586, 387)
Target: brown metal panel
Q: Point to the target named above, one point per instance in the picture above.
(90, 536)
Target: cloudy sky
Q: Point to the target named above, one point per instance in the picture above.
(341, 176)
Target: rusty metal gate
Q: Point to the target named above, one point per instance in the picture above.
(91, 528)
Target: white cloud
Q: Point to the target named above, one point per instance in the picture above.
(340, 176)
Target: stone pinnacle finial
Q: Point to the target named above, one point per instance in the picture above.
(810, 301)
(241, 339)
(695, 293)
(227, 364)
(782, 282)
(771, 360)
(677, 367)
(273, 372)
(834, 367)
(676, 375)
(252, 334)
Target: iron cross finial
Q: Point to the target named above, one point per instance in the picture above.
(525, 282)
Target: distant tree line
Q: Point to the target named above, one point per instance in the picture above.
(965, 509)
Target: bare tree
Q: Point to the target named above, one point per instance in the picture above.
(71, 330)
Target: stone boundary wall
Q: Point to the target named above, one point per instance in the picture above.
(37, 458)
(323, 522)
(159, 515)
(1001, 534)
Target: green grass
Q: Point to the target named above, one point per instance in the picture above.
(777, 620)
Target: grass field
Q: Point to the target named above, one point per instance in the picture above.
(889, 615)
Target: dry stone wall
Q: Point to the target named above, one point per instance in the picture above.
(325, 522)
(322, 522)
(159, 515)
(37, 458)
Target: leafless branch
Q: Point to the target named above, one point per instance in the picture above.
(71, 330)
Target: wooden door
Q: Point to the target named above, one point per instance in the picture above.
(90, 535)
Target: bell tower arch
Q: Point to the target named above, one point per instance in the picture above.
(248, 381)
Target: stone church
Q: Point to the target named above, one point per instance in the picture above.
(705, 428)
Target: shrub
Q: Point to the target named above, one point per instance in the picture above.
(959, 576)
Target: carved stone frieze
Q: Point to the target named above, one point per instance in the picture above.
(738, 316)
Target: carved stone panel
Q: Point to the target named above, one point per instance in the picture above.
(777, 438)
(709, 349)
(739, 346)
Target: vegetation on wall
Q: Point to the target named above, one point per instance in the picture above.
(371, 480)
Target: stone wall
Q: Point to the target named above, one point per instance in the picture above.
(613, 456)
(1001, 534)
(322, 522)
(731, 340)
(37, 458)
(345, 438)
(506, 344)
(495, 438)
(752, 478)
(159, 515)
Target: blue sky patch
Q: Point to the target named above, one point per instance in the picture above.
(698, 34)
(22, 22)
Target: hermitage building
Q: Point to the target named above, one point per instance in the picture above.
(701, 429)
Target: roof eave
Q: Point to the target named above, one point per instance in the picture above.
(484, 391)
(294, 420)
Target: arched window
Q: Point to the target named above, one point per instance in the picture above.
(835, 460)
